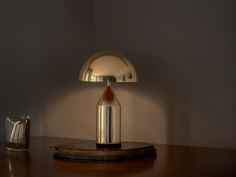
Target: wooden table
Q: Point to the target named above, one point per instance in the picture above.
(181, 161)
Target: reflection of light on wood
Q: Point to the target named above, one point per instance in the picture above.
(98, 169)
(10, 168)
(18, 164)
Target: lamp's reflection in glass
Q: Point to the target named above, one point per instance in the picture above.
(18, 164)
(17, 131)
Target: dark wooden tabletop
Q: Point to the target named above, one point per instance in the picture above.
(171, 161)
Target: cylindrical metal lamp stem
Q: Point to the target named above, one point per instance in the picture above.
(108, 119)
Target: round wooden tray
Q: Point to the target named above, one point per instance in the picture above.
(88, 150)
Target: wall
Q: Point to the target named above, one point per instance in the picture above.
(42, 46)
(183, 51)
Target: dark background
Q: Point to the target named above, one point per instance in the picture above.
(184, 52)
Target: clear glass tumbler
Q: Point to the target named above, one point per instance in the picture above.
(17, 133)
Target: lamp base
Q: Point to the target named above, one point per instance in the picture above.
(108, 145)
(87, 150)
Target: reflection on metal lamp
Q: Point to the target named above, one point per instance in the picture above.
(108, 66)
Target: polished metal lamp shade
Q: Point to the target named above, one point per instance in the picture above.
(108, 66)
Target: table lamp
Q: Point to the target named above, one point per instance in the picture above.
(108, 66)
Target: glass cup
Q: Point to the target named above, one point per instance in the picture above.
(17, 131)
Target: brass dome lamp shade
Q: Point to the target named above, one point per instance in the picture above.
(108, 66)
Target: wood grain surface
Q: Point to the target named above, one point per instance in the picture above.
(87, 150)
(171, 161)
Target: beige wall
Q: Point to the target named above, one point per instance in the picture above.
(183, 51)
